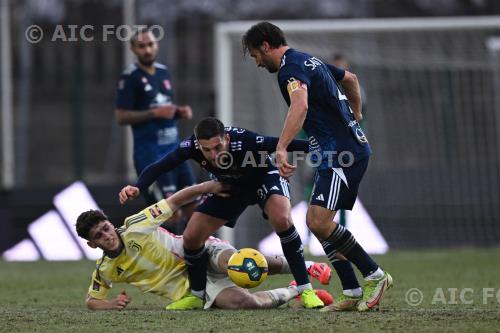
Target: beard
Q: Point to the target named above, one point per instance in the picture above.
(147, 61)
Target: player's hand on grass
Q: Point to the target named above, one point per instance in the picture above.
(285, 169)
(217, 188)
(165, 111)
(122, 300)
(184, 111)
(127, 193)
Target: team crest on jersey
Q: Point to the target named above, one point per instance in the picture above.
(134, 246)
(360, 135)
(185, 144)
(167, 84)
(155, 211)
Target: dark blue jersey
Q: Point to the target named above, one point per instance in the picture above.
(140, 91)
(330, 124)
(249, 160)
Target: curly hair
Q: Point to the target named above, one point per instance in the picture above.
(87, 220)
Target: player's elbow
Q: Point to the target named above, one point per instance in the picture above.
(119, 117)
(92, 303)
(350, 79)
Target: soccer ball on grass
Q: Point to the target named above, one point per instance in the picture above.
(247, 268)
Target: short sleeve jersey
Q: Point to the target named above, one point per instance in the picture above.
(140, 91)
(330, 125)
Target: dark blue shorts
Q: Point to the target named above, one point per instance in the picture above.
(230, 208)
(337, 188)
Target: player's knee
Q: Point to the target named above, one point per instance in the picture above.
(315, 225)
(280, 221)
(192, 240)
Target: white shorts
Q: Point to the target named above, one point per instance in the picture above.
(217, 279)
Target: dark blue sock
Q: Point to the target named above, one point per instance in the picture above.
(294, 254)
(197, 261)
(342, 267)
(344, 242)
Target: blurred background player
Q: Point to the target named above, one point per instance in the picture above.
(144, 100)
(143, 254)
(328, 112)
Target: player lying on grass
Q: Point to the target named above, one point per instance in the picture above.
(143, 254)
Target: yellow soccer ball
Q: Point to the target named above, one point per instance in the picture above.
(247, 268)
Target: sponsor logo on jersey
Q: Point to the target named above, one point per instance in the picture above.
(312, 63)
(155, 211)
(185, 144)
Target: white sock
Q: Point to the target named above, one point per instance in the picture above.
(285, 268)
(198, 293)
(375, 275)
(357, 292)
(282, 295)
(309, 264)
(303, 287)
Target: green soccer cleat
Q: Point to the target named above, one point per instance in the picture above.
(310, 300)
(343, 303)
(373, 291)
(188, 302)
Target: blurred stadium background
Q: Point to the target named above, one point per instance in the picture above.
(432, 113)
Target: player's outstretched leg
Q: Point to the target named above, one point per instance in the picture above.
(277, 208)
(239, 298)
(317, 270)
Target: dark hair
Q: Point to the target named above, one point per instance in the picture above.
(87, 220)
(260, 33)
(141, 30)
(209, 127)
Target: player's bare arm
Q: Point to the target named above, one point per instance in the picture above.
(118, 303)
(190, 193)
(295, 119)
(131, 117)
(353, 92)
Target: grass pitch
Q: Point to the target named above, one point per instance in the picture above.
(459, 291)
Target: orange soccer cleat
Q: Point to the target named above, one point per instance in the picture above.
(321, 272)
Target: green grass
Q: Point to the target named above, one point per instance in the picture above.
(49, 297)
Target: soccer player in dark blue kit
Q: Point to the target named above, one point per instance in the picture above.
(144, 100)
(238, 158)
(324, 101)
